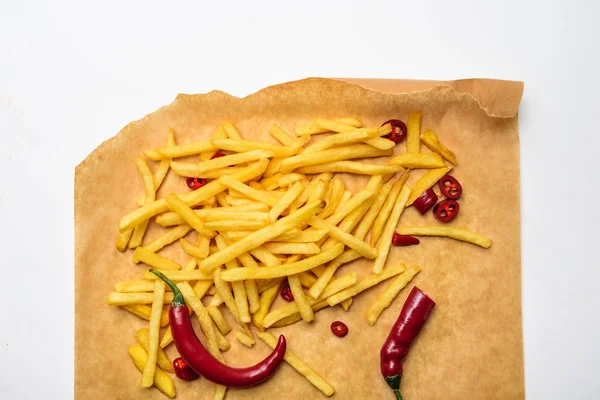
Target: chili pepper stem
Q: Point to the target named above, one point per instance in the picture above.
(398, 395)
(178, 297)
(394, 383)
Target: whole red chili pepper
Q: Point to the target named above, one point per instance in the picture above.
(183, 370)
(404, 240)
(195, 183)
(425, 201)
(200, 360)
(413, 316)
(398, 132)
(446, 211)
(450, 187)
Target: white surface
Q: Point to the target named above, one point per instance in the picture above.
(102, 65)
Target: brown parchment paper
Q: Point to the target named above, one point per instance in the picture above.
(471, 348)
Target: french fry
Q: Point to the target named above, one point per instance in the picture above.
(333, 197)
(334, 125)
(231, 131)
(300, 300)
(431, 140)
(314, 129)
(219, 319)
(315, 379)
(167, 338)
(351, 205)
(413, 142)
(219, 134)
(161, 171)
(241, 274)
(340, 139)
(123, 239)
(300, 142)
(259, 237)
(222, 341)
(154, 260)
(342, 127)
(242, 146)
(266, 300)
(168, 238)
(154, 330)
(289, 179)
(385, 211)
(337, 154)
(148, 179)
(265, 256)
(135, 286)
(364, 284)
(180, 276)
(418, 160)
(383, 247)
(199, 252)
(143, 337)
(244, 339)
(128, 299)
(322, 281)
(281, 135)
(285, 201)
(291, 248)
(389, 294)
(143, 311)
(239, 290)
(251, 289)
(181, 150)
(346, 196)
(224, 293)
(247, 191)
(352, 167)
(463, 235)
(336, 233)
(234, 201)
(252, 212)
(193, 170)
(367, 221)
(292, 319)
(319, 193)
(234, 225)
(309, 189)
(428, 180)
(202, 288)
(355, 122)
(307, 236)
(222, 200)
(187, 214)
(380, 143)
(161, 380)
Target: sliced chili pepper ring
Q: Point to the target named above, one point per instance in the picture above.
(450, 187)
(183, 370)
(446, 210)
(286, 292)
(339, 328)
(398, 132)
(195, 183)
(404, 240)
(425, 201)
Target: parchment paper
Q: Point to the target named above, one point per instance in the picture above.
(471, 348)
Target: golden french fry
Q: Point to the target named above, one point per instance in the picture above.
(167, 338)
(292, 319)
(281, 135)
(161, 171)
(348, 207)
(143, 311)
(431, 140)
(463, 235)
(337, 154)
(244, 339)
(291, 248)
(168, 238)
(289, 179)
(271, 176)
(148, 179)
(267, 299)
(332, 197)
(231, 130)
(127, 299)
(250, 212)
(234, 225)
(413, 142)
(259, 237)
(196, 251)
(143, 337)
(135, 286)
(180, 276)
(367, 221)
(241, 274)
(154, 331)
(309, 189)
(181, 150)
(154, 260)
(251, 289)
(247, 191)
(222, 341)
(161, 380)
(364, 284)
(319, 193)
(352, 167)
(315, 379)
(265, 256)
(219, 319)
(383, 247)
(385, 211)
(300, 300)
(222, 200)
(285, 201)
(202, 288)
(187, 214)
(300, 142)
(334, 125)
(322, 281)
(242, 146)
(428, 180)
(233, 201)
(340, 139)
(380, 143)
(307, 236)
(224, 293)
(307, 279)
(418, 160)
(389, 294)
(219, 134)
(123, 239)
(336, 233)
(193, 170)
(355, 122)
(239, 290)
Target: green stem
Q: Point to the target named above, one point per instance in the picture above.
(398, 395)
(178, 297)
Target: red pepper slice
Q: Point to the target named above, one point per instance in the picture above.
(183, 370)
(286, 292)
(339, 328)
(450, 187)
(218, 154)
(404, 240)
(195, 183)
(398, 132)
(425, 201)
(446, 211)
(411, 320)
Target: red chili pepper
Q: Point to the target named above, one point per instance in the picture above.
(446, 211)
(413, 316)
(450, 187)
(404, 240)
(217, 155)
(398, 132)
(183, 370)
(195, 183)
(339, 328)
(425, 201)
(200, 360)
(286, 292)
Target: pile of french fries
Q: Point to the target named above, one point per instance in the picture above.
(271, 213)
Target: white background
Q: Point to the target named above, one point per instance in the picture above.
(65, 65)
